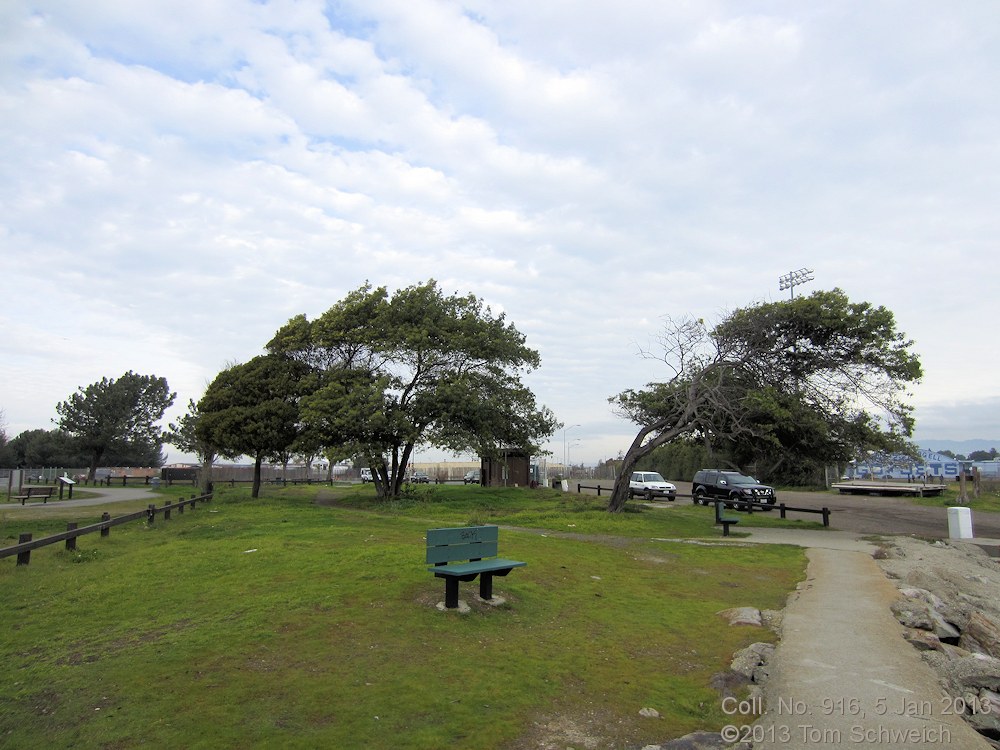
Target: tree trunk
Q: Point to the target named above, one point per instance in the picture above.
(95, 459)
(206, 475)
(256, 477)
(637, 450)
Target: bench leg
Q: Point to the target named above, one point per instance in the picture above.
(451, 592)
(725, 528)
(486, 586)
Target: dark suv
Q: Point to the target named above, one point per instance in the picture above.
(714, 484)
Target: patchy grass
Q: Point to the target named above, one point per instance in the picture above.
(282, 622)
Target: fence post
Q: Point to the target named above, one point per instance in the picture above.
(151, 513)
(180, 506)
(23, 558)
(781, 507)
(71, 541)
(105, 530)
(166, 511)
(193, 501)
(826, 516)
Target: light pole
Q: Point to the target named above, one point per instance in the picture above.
(565, 449)
(576, 441)
(793, 279)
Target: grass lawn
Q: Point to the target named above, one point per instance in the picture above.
(307, 619)
(988, 500)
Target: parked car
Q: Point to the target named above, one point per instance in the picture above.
(649, 484)
(714, 484)
(366, 475)
(472, 477)
(419, 477)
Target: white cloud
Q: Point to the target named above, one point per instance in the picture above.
(182, 179)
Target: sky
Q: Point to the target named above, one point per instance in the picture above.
(179, 178)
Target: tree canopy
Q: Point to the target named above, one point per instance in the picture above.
(116, 414)
(253, 409)
(783, 386)
(417, 367)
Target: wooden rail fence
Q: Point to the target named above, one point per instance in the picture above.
(738, 504)
(25, 544)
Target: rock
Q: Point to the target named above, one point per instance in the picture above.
(981, 635)
(649, 713)
(970, 673)
(983, 712)
(772, 618)
(751, 662)
(742, 616)
(914, 613)
(922, 640)
(912, 592)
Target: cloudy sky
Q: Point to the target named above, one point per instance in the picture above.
(180, 177)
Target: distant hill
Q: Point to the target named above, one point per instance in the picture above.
(959, 447)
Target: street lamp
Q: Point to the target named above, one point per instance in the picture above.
(576, 442)
(565, 449)
(793, 279)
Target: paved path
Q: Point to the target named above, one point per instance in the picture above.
(105, 495)
(842, 674)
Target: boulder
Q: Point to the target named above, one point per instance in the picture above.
(971, 673)
(742, 616)
(981, 635)
(752, 661)
(915, 613)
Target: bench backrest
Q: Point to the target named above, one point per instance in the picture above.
(464, 543)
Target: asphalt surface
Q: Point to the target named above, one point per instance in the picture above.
(106, 495)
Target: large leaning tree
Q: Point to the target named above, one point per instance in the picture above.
(415, 368)
(252, 409)
(816, 379)
(117, 415)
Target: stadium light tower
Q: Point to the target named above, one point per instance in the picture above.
(793, 279)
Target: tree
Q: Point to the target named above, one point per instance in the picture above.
(253, 409)
(815, 379)
(184, 435)
(415, 368)
(6, 454)
(117, 415)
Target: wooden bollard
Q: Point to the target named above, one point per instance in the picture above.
(71, 541)
(23, 558)
(151, 513)
(106, 529)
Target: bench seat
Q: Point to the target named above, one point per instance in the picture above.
(461, 554)
(472, 569)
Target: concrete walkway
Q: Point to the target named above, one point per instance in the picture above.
(842, 674)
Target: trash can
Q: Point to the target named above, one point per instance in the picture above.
(155, 481)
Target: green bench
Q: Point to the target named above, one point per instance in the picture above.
(33, 493)
(461, 554)
(725, 521)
